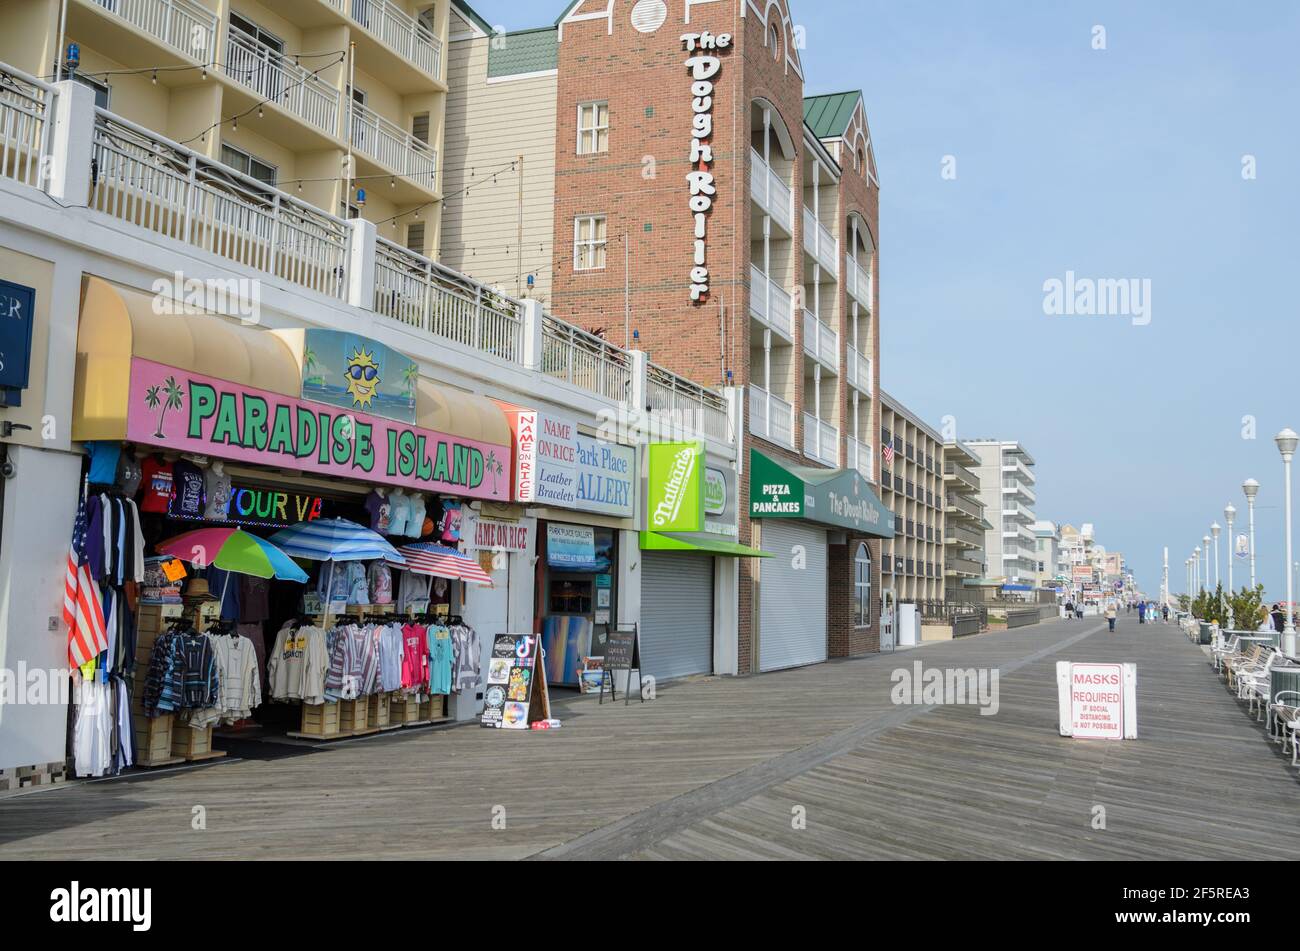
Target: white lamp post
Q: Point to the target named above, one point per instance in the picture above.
(1196, 566)
(1230, 514)
(1205, 540)
(1251, 489)
(1286, 444)
(1216, 529)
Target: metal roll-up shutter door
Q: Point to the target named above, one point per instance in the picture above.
(792, 602)
(676, 614)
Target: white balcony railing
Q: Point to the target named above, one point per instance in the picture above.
(24, 112)
(771, 305)
(860, 374)
(183, 25)
(821, 342)
(146, 180)
(398, 30)
(278, 79)
(678, 405)
(858, 282)
(393, 147)
(819, 242)
(420, 293)
(771, 417)
(860, 457)
(820, 440)
(586, 360)
(771, 193)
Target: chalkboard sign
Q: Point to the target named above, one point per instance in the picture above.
(622, 652)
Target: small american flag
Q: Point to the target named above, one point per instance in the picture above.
(888, 453)
(83, 609)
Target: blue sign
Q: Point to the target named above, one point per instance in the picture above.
(571, 547)
(356, 373)
(17, 314)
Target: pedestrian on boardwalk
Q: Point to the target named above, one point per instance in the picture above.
(1142, 612)
(1078, 610)
(1279, 618)
(1069, 610)
(1112, 614)
(1165, 613)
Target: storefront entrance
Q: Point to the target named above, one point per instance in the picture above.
(793, 596)
(676, 614)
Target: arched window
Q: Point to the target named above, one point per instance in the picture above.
(774, 38)
(862, 587)
(862, 160)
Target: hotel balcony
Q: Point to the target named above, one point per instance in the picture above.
(771, 417)
(821, 441)
(963, 567)
(821, 342)
(861, 457)
(860, 371)
(771, 193)
(820, 243)
(952, 472)
(393, 149)
(857, 282)
(769, 305)
(275, 77)
(393, 31)
(956, 503)
(960, 535)
(183, 27)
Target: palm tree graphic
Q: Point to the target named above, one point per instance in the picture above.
(168, 395)
(411, 376)
(493, 464)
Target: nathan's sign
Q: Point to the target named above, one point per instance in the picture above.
(189, 412)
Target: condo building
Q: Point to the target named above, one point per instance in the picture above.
(1006, 478)
(912, 487)
(965, 526)
(691, 201)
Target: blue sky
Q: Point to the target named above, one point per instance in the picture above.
(1116, 163)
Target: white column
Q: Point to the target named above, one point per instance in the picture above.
(72, 142)
(532, 346)
(362, 235)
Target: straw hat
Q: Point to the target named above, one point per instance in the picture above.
(198, 590)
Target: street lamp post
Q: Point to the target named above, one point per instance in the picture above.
(1216, 530)
(1286, 444)
(1230, 514)
(1251, 489)
(1205, 540)
(1196, 566)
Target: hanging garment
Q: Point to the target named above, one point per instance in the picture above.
(390, 658)
(352, 664)
(92, 740)
(419, 513)
(188, 495)
(381, 583)
(217, 489)
(440, 660)
(156, 479)
(467, 656)
(125, 746)
(240, 683)
(415, 664)
(128, 475)
(254, 599)
(298, 665)
(358, 590)
(413, 593)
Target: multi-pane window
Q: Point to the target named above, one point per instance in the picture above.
(862, 587)
(593, 127)
(589, 243)
(253, 167)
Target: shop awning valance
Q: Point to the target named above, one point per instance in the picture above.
(203, 382)
(698, 543)
(839, 498)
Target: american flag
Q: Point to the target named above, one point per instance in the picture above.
(82, 608)
(888, 453)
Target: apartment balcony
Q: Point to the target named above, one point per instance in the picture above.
(770, 306)
(952, 472)
(820, 243)
(686, 406)
(860, 457)
(821, 342)
(278, 79)
(393, 148)
(858, 282)
(26, 115)
(859, 369)
(956, 503)
(1015, 488)
(960, 535)
(963, 567)
(821, 441)
(398, 32)
(771, 193)
(771, 417)
(183, 26)
(1018, 467)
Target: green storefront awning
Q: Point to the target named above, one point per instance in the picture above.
(699, 543)
(840, 498)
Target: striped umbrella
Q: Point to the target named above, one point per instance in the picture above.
(334, 539)
(426, 558)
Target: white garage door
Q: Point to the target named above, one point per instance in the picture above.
(676, 614)
(792, 601)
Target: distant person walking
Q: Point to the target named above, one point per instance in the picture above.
(1164, 612)
(1142, 612)
(1069, 610)
(1112, 614)
(1279, 618)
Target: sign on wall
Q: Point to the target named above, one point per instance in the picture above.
(356, 373)
(17, 314)
(1097, 701)
(490, 534)
(675, 487)
(704, 64)
(557, 465)
(571, 546)
(190, 412)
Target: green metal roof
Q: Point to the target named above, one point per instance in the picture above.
(527, 51)
(828, 116)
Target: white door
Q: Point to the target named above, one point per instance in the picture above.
(792, 596)
(676, 614)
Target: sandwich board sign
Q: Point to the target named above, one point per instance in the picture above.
(1097, 701)
(515, 695)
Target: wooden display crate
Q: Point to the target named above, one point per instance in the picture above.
(435, 708)
(320, 720)
(194, 744)
(354, 715)
(403, 711)
(380, 711)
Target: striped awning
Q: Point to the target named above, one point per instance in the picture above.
(334, 539)
(439, 561)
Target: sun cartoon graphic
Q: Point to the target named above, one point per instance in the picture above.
(362, 375)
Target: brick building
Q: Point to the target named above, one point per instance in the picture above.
(708, 213)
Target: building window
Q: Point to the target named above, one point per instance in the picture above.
(589, 243)
(862, 587)
(415, 237)
(242, 161)
(101, 90)
(774, 39)
(593, 127)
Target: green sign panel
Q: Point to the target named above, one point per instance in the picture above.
(774, 491)
(837, 497)
(675, 487)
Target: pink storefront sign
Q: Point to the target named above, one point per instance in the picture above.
(189, 412)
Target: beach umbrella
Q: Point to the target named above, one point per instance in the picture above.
(233, 550)
(426, 558)
(331, 540)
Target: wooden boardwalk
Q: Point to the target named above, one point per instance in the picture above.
(714, 768)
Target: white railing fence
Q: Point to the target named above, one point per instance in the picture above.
(771, 417)
(183, 25)
(393, 147)
(26, 104)
(278, 79)
(820, 440)
(771, 305)
(770, 191)
(400, 31)
(686, 405)
(146, 180)
(585, 360)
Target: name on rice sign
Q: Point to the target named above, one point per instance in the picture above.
(1097, 701)
(704, 64)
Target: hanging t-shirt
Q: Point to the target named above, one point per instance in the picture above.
(217, 488)
(450, 522)
(439, 660)
(381, 583)
(381, 512)
(358, 590)
(128, 475)
(104, 457)
(187, 496)
(400, 512)
(414, 650)
(415, 524)
(156, 478)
